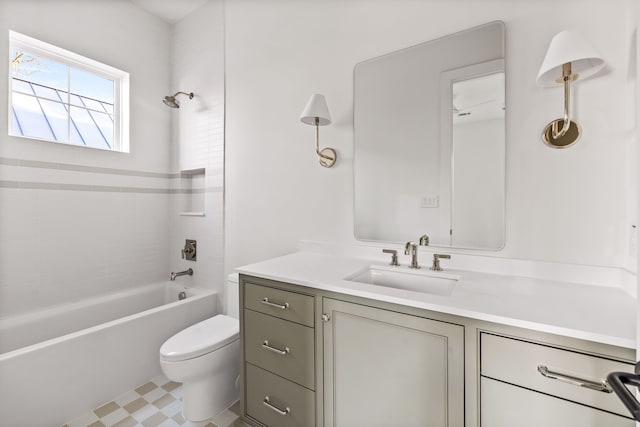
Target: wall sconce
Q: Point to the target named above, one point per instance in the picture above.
(316, 113)
(568, 58)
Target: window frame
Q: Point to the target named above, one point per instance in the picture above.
(77, 61)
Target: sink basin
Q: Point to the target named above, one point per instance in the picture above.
(420, 280)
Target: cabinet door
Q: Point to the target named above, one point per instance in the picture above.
(383, 368)
(505, 405)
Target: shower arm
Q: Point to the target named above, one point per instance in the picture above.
(190, 95)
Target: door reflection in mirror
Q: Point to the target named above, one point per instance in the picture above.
(478, 152)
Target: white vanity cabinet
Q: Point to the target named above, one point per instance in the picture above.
(529, 384)
(383, 368)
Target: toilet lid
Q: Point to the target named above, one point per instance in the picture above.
(201, 338)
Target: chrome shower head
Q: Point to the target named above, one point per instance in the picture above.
(171, 101)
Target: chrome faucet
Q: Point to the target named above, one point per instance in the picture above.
(424, 240)
(412, 248)
(188, 272)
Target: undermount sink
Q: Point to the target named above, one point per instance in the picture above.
(416, 280)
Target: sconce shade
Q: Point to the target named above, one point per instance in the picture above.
(568, 46)
(316, 107)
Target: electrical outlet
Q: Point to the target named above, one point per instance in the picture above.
(429, 201)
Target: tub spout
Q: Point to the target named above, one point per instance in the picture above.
(181, 273)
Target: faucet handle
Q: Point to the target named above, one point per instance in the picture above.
(436, 261)
(424, 240)
(394, 256)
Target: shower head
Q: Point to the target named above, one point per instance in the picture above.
(171, 101)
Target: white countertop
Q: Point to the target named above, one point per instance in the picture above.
(595, 313)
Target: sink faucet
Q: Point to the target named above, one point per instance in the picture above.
(424, 240)
(412, 247)
(188, 272)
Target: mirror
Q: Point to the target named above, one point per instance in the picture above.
(429, 155)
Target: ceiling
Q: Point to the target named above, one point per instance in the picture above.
(170, 11)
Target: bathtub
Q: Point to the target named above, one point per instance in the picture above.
(59, 363)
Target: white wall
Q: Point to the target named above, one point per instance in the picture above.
(198, 142)
(562, 205)
(96, 221)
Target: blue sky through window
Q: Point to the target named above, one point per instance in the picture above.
(40, 101)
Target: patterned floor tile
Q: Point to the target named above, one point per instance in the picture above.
(155, 420)
(106, 409)
(157, 403)
(146, 388)
(114, 417)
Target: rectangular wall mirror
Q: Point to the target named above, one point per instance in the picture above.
(429, 155)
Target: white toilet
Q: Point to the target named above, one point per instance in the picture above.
(205, 358)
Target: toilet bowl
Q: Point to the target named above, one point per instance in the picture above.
(205, 358)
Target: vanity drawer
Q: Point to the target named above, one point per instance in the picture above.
(505, 405)
(280, 303)
(291, 404)
(266, 338)
(517, 362)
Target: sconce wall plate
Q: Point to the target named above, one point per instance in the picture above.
(565, 140)
(328, 157)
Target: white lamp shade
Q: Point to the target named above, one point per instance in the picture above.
(569, 46)
(316, 107)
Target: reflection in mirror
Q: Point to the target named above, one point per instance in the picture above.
(429, 142)
(478, 141)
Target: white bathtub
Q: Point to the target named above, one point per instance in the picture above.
(59, 363)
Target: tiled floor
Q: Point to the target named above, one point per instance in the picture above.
(154, 404)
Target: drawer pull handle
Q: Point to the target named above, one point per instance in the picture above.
(266, 301)
(602, 385)
(266, 345)
(275, 409)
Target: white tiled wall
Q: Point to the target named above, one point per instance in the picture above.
(198, 140)
(75, 221)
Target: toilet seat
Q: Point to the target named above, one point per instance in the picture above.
(201, 338)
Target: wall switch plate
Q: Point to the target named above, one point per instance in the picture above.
(429, 201)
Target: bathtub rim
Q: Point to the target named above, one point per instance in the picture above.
(200, 293)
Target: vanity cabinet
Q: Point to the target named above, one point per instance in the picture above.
(526, 384)
(316, 358)
(277, 329)
(384, 368)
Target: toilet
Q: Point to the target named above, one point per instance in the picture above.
(205, 358)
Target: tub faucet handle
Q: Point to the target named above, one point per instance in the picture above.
(189, 251)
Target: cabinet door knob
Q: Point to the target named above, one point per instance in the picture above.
(325, 317)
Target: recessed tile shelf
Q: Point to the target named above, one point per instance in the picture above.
(192, 186)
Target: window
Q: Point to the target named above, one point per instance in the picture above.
(59, 96)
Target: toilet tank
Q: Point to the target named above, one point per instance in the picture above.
(233, 296)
